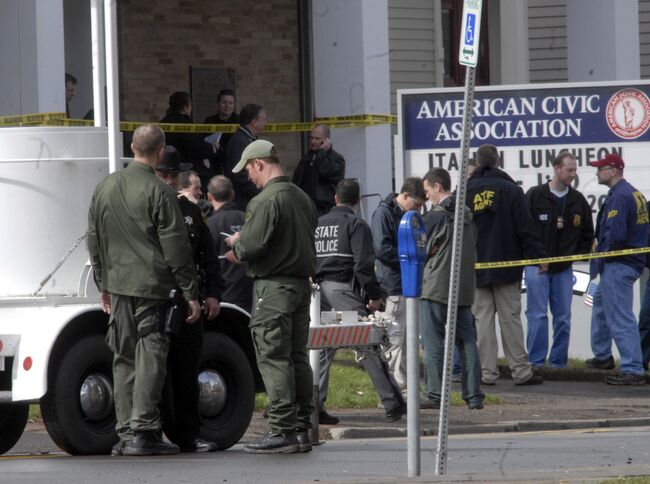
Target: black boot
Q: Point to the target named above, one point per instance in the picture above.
(274, 443)
(198, 445)
(148, 442)
(304, 441)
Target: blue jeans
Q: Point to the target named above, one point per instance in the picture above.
(433, 318)
(542, 289)
(644, 325)
(612, 317)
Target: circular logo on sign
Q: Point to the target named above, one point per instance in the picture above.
(628, 113)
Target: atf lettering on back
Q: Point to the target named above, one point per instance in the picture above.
(642, 216)
(484, 200)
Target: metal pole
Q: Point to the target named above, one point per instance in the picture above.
(452, 302)
(112, 86)
(314, 360)
(97, 33)
(413, 386)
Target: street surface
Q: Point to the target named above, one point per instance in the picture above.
(568, 454)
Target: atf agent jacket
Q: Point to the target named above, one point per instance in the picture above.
(622, 224)
(137, 241)
(344, 251)
(203, 252)
(239, 288)
(439, 224)
(277, 239)
(577, 233)
(384, 224)
(317, 174)
(505, 227)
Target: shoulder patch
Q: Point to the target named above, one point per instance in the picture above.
(247, 215)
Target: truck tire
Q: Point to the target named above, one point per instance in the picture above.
(227, 390)
(78, 409)
(13, 418)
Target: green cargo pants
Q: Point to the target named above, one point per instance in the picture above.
(139, 364)
(280, 328)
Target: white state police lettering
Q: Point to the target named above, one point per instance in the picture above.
(327, 241)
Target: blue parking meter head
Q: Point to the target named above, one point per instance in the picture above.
(411, 247)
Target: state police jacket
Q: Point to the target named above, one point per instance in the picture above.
(344, 251)
(203, 251)
(577, 234)
(238, 287)
(622, 224)
(384, 224)
(505, 227)
(317, 174)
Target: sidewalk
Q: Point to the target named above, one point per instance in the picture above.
(568, 399)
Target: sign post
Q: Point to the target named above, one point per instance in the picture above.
(468, 56)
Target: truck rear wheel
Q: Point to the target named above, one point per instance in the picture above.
(227, 389)
(78, 408)
(13, 418)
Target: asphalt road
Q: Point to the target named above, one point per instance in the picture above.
(486, 457)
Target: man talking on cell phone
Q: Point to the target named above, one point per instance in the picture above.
(320, 169)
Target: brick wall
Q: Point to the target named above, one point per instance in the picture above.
(159, 41)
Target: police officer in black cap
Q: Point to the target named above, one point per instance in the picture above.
(183, 422)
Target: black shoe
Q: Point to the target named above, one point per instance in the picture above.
(395, 414)
(625, 379)
(198, 445)
(325, 418)
(598, 364)
(118, 447)
(148, 443)
(304, 442)
(475, 406)
(273, 443)
(533, 380)
(425, 403)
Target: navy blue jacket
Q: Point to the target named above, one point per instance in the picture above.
(505, 228)
(622, 224)
(384, 224)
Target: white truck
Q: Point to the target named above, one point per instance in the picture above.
(52, 329)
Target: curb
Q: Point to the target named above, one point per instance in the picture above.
(522, 426)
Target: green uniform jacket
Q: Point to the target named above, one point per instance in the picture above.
(278, 236)
(137, 240)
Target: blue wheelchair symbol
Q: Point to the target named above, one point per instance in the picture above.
(469, 29)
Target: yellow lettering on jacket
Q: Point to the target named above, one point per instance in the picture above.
(612, 213)
(642, 216)
(483, 200)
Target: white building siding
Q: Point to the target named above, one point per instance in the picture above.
(644, 37)
(547, 40)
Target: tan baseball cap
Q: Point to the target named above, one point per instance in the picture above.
(259, 148)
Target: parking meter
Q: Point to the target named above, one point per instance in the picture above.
(411, 247)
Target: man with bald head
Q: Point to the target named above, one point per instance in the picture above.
(140, 252)
(320, 169)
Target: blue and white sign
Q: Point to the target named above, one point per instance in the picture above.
(470, 30)
(531, 124)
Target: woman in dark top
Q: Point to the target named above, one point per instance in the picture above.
(225, 115)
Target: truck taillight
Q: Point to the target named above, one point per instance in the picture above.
(27, 363)
(1, 345)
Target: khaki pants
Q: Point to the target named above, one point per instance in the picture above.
(396, 352)
(139, 364)
(504, 300)
(280, 328)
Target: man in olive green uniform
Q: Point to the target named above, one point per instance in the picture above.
(140, 251)
(277, 246)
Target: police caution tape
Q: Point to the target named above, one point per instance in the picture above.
(565, 258)
(59, 119)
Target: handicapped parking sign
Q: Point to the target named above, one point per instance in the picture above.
(468, 51)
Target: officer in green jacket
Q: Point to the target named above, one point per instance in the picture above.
(140, 251)
(277, 246)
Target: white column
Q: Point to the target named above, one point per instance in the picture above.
(32, 55)
(603, 40)
(351, 76)
(508, 41)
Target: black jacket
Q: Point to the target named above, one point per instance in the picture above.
(192, 146)
(244, 188)
(239, 288)
(505, 228)
(384, 224)
(317, 174)
(225, 137)
(344, 251)
(577, 234)
(203, 252)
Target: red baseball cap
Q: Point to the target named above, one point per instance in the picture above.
(610, 160)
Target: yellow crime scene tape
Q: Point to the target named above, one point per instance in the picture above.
(59, 119)
(565, 258)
